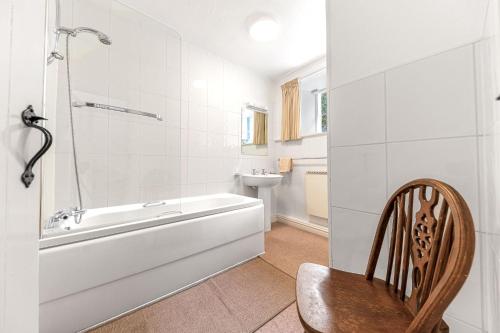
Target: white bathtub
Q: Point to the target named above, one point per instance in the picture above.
(118, 259)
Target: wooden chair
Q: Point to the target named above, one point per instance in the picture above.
(435, 247)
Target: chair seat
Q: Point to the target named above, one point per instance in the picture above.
(329, 300)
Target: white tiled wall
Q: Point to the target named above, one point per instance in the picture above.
(413, 121)
(213, 93)
(127, 159)
(369, 39)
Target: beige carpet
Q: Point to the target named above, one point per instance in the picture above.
(288, 247)
(239, 300)
(286, 322)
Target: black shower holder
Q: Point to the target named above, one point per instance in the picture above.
(30, 119)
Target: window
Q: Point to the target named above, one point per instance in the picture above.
(314, 104)
(321, 111)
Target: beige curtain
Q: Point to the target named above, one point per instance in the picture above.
(290, 113)
(259, 128)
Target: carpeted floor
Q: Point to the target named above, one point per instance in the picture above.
(257, 296)
(287, 248)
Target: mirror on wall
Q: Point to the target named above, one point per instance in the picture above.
(254, 130)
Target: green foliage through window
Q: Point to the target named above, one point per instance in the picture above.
(324, 112)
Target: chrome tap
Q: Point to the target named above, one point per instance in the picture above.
(63, 215)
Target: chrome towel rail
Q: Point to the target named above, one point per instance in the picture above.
(118, 109)
(308, 158)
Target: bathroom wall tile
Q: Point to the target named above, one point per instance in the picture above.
(92, 13)
(125, 97)
(489, 178)
(458, 326)
(197, 143)
(215, 120)
(360, 178)
(215, 170)
(467, 304)
(245, 164)
(184, 171)
(486, 86)
(185, 68)
(214, 188)
(153, 138)
(231, 168)
(89, 57)
(231, 145)
(155, 193)
(453, 161)
(173, 83)
(125, 56)
(193, 190)
(65, 187)
(215, 145)
(173, 171)
(174, 110)
(351, 227)
(184, 142)
(197, 117)
(359, 110)
(86, 122)
(197, 76)
(232, 123)
(153, 57)
(233, 88)
(93, 179)
(173, 135)
(124, 136)
(184, 114)
(260, 163)
(154, 171)
(89, 65)
(174, 51)
(153, 103)
(197, 171)
(123, 181)
(432, 98)
(215, 80)
(62, 141)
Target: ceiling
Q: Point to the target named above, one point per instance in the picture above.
(220, 26)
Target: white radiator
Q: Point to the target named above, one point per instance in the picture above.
(316, 186)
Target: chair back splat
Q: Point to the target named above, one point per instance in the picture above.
(431, 247)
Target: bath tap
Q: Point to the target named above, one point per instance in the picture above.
(63, 215)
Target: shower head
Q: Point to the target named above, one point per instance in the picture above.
(102, 37)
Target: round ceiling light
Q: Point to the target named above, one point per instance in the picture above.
(264, 29)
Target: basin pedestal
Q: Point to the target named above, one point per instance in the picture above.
(265, 194)
(264, 183)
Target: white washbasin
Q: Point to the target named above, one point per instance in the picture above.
(268, 180)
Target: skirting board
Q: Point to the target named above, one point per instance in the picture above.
(300, 224)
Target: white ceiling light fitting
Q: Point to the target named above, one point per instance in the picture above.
(264, 28)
